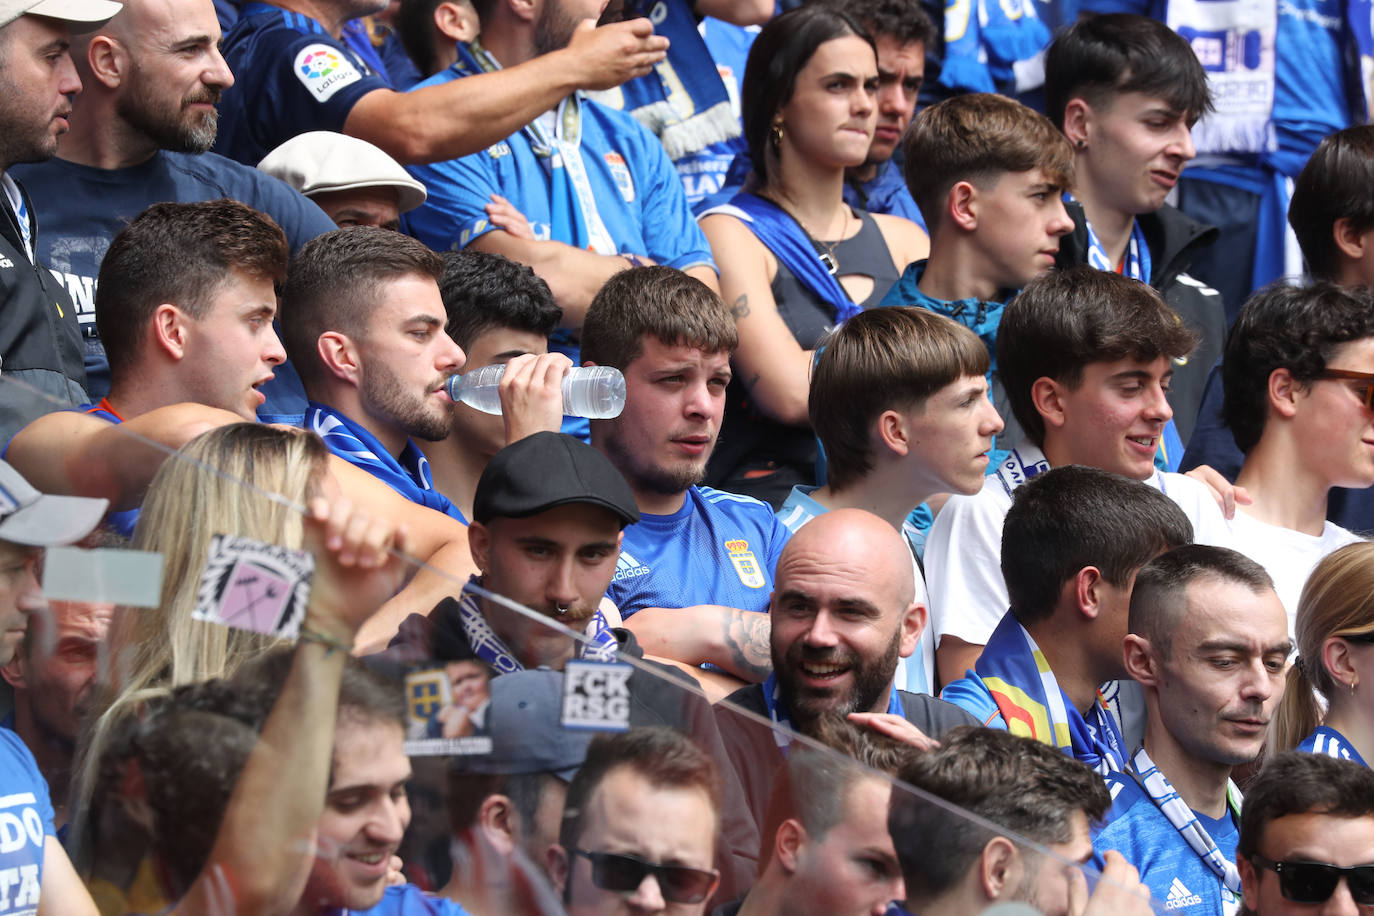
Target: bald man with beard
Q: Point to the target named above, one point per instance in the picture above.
(841, 613)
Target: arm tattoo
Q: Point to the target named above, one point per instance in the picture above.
(747, 645)
(741, 308)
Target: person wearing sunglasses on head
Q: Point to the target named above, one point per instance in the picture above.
(1307, 838)
(1325, 708)
(639, 827)
(1298, 373)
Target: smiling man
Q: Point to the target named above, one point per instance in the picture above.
(1126, 91)
(364, 324)
(1087, 357)
(1209, 644)
(695, 572)
(842, 613)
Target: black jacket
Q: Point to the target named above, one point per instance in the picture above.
(1172, 238)
(40, 341)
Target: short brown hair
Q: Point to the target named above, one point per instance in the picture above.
(179, 253)
(659, 302)
(665, 757)
(1065, 319)
(879, 360)
(332, 285)
(1028, 789)
(978, 138)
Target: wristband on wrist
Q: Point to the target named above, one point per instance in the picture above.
(330, 643)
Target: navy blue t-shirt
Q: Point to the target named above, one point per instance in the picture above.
(291, 76)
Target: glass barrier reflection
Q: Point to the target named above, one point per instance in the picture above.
(284, 689)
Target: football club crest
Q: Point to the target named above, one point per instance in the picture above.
(621, 173)
(746, 566)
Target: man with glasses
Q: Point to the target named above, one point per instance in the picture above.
(639, 827)
(1298, 374)
(1307, 837)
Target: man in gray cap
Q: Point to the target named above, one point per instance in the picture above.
(352, 181)
(35, 874)
(505, 807)
(39, 341)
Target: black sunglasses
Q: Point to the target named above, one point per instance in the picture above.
(613, 871)
(1366, 389)
(1315, 882)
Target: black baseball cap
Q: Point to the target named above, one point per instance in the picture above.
(546, 470)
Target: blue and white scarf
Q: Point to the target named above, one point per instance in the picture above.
(575, 219)
(783, 235)
(1020, 466)
(684, 102)
(408, 476)
(1234, 41)
(987, 41)
(601, 644)
(1176, 810)
(1014, 671)
(778, 712)
(1136, 264)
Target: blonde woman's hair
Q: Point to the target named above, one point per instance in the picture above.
(243, 479)
(1338, 600)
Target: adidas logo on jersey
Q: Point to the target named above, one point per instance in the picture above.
(1180, 897)
(627, 567)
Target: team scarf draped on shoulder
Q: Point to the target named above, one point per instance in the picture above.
(683, 101)
(574, 219)
(1136, 263)
(1015, 672)
(779, 714)
(1177, 812)
(408, 475)
(783, 235)
(601, 644)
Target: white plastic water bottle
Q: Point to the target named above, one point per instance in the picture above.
(594, 392)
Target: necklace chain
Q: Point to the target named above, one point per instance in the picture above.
(827, 258)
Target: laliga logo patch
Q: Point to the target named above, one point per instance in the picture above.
(324, 71)
(746, 566)
(620, 172)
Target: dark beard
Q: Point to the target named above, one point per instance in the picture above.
(870, 680)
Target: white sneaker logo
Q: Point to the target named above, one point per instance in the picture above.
(1180, 897)
(627, 567)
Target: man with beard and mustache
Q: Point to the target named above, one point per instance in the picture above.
(1209, 644)
(580, 194)
(140, 130)
(547, 523)
(40, 343)
(363, 322)
(842, 613)
(695, 572)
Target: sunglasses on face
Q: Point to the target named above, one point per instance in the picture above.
(618, 872)
(1315, 882)
(1365, 390)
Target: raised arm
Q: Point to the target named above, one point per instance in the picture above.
(264, 847)
(464, 116)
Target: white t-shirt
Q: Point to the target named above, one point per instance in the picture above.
(1288, 556)
(963, 558)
